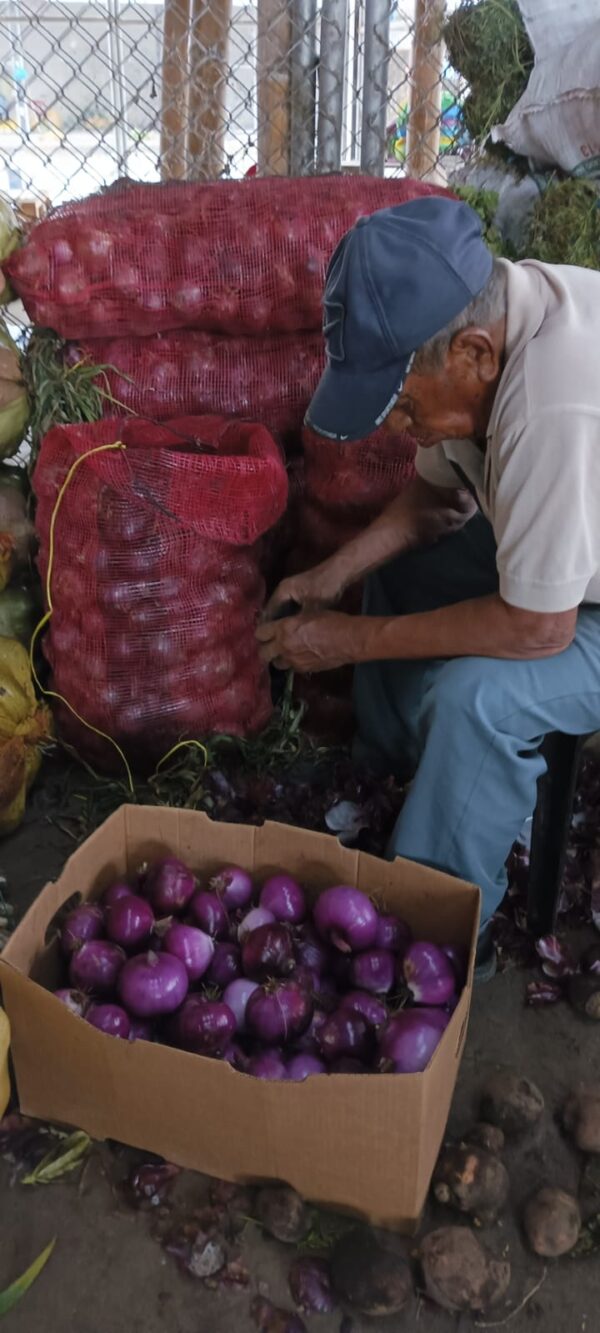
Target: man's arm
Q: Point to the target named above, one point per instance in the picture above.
(482, 627)
(420, 516)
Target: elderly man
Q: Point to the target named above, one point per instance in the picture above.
(481, 624)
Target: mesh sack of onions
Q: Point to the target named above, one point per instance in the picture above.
(235, 257)
(345, 487)
(155, 582)
(270, 379)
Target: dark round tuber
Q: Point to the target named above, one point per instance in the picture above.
(511, 1102)
(269, 1318)
(472, 1180)
(459, 1273)
(552, 1222)
(370, 1279)
(581, 1117)
(489, 1137)
(283, 1214)
(584, 994)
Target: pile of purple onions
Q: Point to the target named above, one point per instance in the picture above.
(259, 978)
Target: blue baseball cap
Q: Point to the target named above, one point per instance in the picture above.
(397, 278)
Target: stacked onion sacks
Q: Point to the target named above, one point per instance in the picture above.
(258, 977)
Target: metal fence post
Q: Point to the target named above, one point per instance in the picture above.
(332, 62)
(375, 86)
(303, 74)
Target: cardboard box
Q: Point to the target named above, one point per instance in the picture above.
(364, 1143)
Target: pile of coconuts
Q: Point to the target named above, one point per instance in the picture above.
(368, 1275)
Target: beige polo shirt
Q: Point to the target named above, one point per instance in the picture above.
(538, 481)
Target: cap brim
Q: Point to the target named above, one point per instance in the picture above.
(349, 406)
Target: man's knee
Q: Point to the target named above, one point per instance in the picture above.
(465, 685)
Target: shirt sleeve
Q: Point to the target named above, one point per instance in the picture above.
(433, 466)
(545, 511)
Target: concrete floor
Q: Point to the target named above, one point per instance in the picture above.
(108, 1274)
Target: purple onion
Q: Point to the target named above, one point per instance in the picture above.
(153, 983)
(345, 1033)
(267, 1064)
(210, 915)
(141, 1029)
(120, 889)
(305, 976)
(169, 885)
(258, 916)
(236, 995)
(310, 950)
(233, 886)
(73, 999)
(278, 1012)
(410, 1039)
(204, 1026)
(284, 897)
(459, 960)
(347, 1064)
(393, 934)
(304, 1064)
(268, 952)
(192, 946)
(368, 1006)
(96, 966)
(327, 994)
(110, 1019)
(225, 965)
(346, 917)
(428, 973)
(308, 1042)
(129, 921)
(235, 1055)
(84, 923)
(310, 1285)
(373, 971)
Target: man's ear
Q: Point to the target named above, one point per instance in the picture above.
(476, 348)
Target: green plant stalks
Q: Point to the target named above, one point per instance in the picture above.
(60, 394)
(488, 45)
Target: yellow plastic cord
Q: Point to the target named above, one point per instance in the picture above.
(52, 694)
(182, 745)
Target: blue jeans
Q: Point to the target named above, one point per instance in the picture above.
(471, 726)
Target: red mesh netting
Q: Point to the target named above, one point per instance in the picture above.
(270, 379)
(346, 486)
(155, 584)
(236, 257)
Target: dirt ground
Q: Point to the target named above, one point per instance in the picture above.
(108, 1273)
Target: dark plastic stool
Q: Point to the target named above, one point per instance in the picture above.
(550, 831)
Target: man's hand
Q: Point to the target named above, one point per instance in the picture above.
(316, 590)
(311, 641)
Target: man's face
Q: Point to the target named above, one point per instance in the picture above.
(454, 401)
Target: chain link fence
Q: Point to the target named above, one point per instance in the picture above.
(96, 90)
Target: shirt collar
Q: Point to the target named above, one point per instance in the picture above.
(526, 306)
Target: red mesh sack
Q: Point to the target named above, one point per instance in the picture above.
(155, 583)
(236, 257)
(270, 380)
(346, 486)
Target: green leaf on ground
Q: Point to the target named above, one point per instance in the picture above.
(66, 1157)
(22, 1284)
